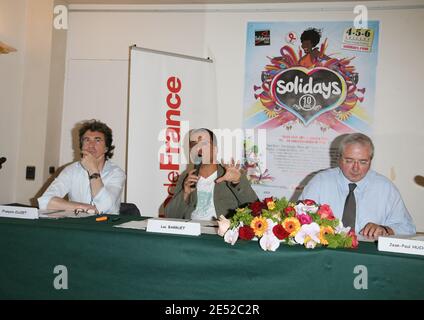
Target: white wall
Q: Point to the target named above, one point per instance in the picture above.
(31, 89)
(219, 32)
(12, 32)
(33, 121)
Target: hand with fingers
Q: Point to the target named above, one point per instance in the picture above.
(232, 172)
(89, 162)
(373, 230)
(190, 183)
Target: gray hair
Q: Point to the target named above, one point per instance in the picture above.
(354, 138)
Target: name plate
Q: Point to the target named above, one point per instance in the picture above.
(173, 226)
(413, 244)
(18, 212)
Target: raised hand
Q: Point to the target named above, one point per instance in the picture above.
(232, 172)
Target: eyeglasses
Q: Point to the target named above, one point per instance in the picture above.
(349, 161)
(77, 211)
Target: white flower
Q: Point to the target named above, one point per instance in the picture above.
(223, 225)
(231, 236)
(304, 209)
(269, 242)
(310, 244)
(341, 229)
(271, 224)
(308, 230)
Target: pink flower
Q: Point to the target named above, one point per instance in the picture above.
(304, 218)
(325, 212)
(223, 225)
(355, 241)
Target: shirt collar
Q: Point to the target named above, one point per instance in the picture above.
(360, 185)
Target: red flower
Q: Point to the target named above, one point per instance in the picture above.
(280, 232)
(290, 211)
(266, 200)
(355, 242)
(246, 233)
(309, 202)
(325, 212)
(256, 208)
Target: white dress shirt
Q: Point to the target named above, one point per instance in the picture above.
(74, 182)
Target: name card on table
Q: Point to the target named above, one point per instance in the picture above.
(18, 212)
(412, 244)
(174, 226)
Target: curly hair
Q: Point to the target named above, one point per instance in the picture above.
(98, 126)
(312, 34)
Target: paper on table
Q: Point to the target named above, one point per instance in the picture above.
(207, 227)
(59, 214)
(139, 225)
(365, 239)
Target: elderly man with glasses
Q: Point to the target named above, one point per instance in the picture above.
(364, 200)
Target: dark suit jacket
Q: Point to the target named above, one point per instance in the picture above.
(227, 197)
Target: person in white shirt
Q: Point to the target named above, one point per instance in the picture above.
(92, 184)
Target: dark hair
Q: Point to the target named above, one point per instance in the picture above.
(98, 126)
(311, 34)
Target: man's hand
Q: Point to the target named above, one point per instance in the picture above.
(57, 203)
(190, 183)
(89, 162)
(373, 230)
(232, 172)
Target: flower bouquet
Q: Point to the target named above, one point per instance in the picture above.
(274, 221)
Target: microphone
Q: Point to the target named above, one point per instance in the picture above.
(197, 165)
(2, 160)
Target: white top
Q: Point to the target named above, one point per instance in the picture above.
(74, 182)
(205, 207)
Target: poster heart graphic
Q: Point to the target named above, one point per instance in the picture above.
(308, 93)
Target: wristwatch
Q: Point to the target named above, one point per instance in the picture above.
(94, 175)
